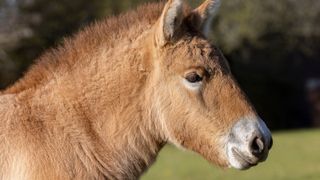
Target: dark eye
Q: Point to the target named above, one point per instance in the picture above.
(193, 78)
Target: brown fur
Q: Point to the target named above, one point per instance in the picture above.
(103, 104)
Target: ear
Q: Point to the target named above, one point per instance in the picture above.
(169, 22)
(201, 17)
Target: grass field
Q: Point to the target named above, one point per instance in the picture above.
(295, 155)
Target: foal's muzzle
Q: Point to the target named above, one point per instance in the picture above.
(248, 143)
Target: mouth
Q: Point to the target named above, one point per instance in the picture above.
(245, 161)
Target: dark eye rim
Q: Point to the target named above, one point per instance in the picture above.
(193, 77)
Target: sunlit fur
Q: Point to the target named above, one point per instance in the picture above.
(104, 103)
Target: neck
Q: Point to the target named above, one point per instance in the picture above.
(119, 138)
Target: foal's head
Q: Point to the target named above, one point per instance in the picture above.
(198, 103)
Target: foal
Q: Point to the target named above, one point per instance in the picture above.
(102, 105)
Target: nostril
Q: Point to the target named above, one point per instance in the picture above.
(270, 144)
(257, 146)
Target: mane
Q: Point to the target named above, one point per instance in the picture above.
(74, 49)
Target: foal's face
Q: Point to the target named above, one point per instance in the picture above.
(199, 104)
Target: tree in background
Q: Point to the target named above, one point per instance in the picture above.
(47, 23)
(12, 29)
(273, 47)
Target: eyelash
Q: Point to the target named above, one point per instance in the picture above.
(193, 77)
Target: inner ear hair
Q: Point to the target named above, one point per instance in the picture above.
(201, 17)
(170, 22)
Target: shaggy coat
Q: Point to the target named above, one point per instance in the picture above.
(103, 104)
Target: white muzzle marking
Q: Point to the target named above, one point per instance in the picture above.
(248, 143)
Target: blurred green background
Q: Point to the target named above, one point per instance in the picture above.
(273, 48)
(294, 156)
